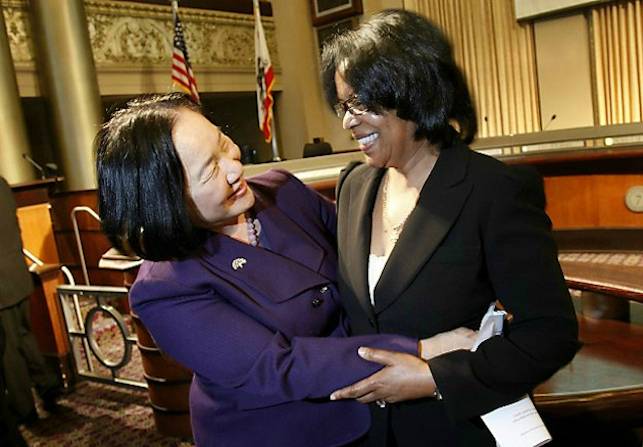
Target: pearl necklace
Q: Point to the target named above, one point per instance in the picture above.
(253, 227)
(395, 228)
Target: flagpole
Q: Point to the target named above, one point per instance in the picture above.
(275, 150)
(174, 6)
(265, 100)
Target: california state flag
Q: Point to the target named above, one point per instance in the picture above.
(265, 77)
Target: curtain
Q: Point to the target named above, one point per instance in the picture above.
(617, 34)
(497, 56)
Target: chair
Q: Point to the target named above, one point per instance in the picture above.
(317, 147)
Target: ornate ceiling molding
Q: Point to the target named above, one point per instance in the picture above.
(141, 34)
(16, 19)
(136, 37)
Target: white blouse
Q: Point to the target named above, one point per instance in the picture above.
(375, 268)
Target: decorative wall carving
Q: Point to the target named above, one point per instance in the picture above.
(139, 36)
(18, 31)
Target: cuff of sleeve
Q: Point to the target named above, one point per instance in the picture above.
(457, 382)
(409, 345)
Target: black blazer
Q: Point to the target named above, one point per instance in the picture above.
(475, 236)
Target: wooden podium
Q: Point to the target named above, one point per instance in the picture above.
(34, 218)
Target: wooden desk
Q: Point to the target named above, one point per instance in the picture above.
(598, 398)
(34, 192)
(46, 313)
(604, 381)
(615, 274)
(37, 235)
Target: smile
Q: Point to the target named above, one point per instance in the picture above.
(241, 190)
(368, 139)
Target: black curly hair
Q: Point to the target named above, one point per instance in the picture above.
(398, 60)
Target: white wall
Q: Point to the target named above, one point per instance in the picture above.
(564, 79)
(302, 111)
(534, 8)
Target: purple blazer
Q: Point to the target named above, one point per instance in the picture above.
(266, 341)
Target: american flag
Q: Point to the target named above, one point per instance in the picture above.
(182, 75)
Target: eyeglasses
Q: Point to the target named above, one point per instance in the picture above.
(351, 104)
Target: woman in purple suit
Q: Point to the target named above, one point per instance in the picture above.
(239, 280)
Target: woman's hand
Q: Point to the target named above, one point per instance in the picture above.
(404, 377)
(460, 338)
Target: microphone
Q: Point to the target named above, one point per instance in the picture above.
(51, 169)
(551, 120)
(35, 165)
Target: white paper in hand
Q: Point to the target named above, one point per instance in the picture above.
(490, 325)
(517, 424)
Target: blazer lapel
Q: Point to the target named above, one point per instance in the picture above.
(440, 202)
(289, 240)
(355, 247)
(273, 275)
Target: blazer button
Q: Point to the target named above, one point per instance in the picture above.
(323, 289)
(316, 302)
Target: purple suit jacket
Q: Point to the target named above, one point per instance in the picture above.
(266, 341)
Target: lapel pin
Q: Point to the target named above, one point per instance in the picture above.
(238, 263)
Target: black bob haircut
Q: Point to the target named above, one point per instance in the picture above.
(142, 191)
(398, 60)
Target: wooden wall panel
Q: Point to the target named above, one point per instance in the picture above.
(94, 243)
(34, 192)
(591, 201)
(64, 203)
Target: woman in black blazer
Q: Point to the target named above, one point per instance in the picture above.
(430, 233)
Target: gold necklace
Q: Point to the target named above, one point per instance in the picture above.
(395, 228)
